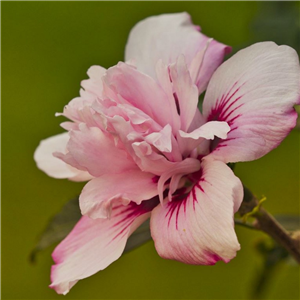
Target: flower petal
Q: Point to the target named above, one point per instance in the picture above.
(78, 110)
(53, 166)
(161, 140)
(98, 195)
(166, 37)
(163, 79)
(185, 92)
(176, 171)
(141, 91)
(189, 141)
(92, 150)
(150, 161)
(197, 121)
(198, 228)
(94, 84)
(94, 244)
(254, 92)
(207, 61)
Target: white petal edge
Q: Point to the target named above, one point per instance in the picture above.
(53, 166)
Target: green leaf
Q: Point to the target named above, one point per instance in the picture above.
(273, 255)
(139, 237)
(231, 166)
(63, 222)
(58, 227)
(278, 22)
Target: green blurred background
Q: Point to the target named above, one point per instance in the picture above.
(47, 48)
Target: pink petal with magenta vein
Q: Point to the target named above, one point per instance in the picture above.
(94, 244)
(254, 92)
(197, 227)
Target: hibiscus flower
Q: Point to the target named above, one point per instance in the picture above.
(137, 136)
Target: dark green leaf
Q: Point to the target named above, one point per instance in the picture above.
(200, 101)
(58, 227)
(139, 237)
(62, 223)
(272, 255)
(231, 166)
(278, 22)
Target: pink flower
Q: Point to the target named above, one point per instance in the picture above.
(137, 135)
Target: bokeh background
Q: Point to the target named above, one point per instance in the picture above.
(47, 48)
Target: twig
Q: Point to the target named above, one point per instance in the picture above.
(267, 223)
(243, 224)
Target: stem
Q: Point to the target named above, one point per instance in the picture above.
(243, 224)
(267, 223)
